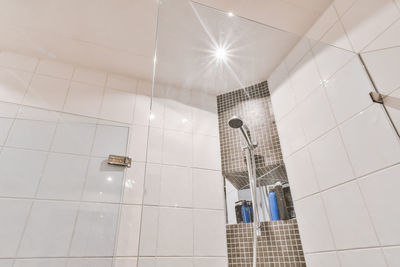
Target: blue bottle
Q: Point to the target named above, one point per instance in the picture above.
(273, 206)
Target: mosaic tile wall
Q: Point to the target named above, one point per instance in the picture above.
(253, 105)
(278, 246)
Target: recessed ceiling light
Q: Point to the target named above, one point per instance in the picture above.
(220, 53)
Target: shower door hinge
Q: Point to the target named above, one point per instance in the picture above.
(119, 160)
(376, 97)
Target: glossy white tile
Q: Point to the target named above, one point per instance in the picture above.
(357, 133)
(14, 216)
(103, 182)
(149, 231)
(206, 152)
(208, 189)
(283, 99)
(76, 138)
(110, 140)
(63, 177)
(129, 230)
(381, 196)
(348, 217)
(141, 114)
(177, 148)
(205, 122)
(301, 174)
(392, 256)
(6, 263)
(13, 84)
(331, 164)
(176, 186)
(328, 259)
(173, 223)
(16, 181)
(365, 20)
(362, 258)
(337, 37)
(210, 262)
(203, 233)
(297, 53)
(177, 116)
(389, 38)
(5, 126)
(118, 105)
(40, 262)
(125, 262)
(133, 185)
(152, 184)
(174, 262)
(323, 24)
(89, 76)
(95, 230)
(138, 143)
(313, 225)
(352, 81)
(343, 5)
(49, 229)
(89, 262)
(316, 115)
(155, 145)
(84, 99)
(121, 82)
(8, 110)
(17, 61)
(55, 69)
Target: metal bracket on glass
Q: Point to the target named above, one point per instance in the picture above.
(376, 97)
(119, 161)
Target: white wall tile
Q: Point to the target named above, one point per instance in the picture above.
(343, 5)
(103, 182)
(174, 262)
(330, 59)
(291, 133)
(381, 196)
(210, 262)
(337, 37)
(389, 38)
(176, 186)
(63, 177)
(209, 225)
(31, 113)
(208, 189)
(13, 84)
(357, 133)
(121, 82)
(152, 184)
(110, 140)
(141, 115)
(305, 77)
(17, 61)
(89, 76)
(313, 225)
(8, 110)
(350, 81)
(173, 223)
(95, 228)
(40, 262)
(149, 231)
(177, 148)
(49, 229)
(331, 164)
(55, 68)
(384, 67)
(129, 230)
(392, 106)
(348, 217)
(282, 97)
(392, 255)
(138, 142)
(118, 105)
(365, 20)
(147, 262)
(74, 138)
(206, 152)
(6, 263)
(47, 92)
(5, 126)
(133, 185)
(362, 258)
(125, 262)
(328, 259)
(301, 174)
(297, 53)
(16, 181)
(155, 142)
(323, 24)
(84, 99)
(205, 122)
(157, 112)
(88, 262)
(14, 214)
(177, 116)
(316, 115)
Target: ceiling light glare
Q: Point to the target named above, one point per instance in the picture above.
(220, 54)
(230, 14)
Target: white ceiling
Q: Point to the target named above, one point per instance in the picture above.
(119, 35)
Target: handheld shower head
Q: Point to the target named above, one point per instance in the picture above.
(235, 122)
